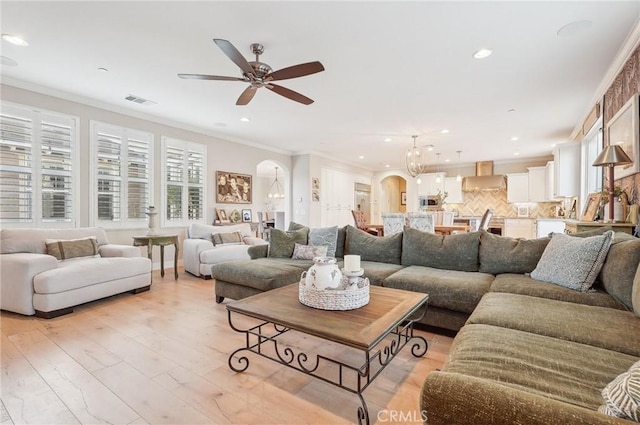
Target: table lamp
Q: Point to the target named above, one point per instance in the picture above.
(611, 156)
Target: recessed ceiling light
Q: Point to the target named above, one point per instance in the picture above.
(388, 139)
(482, 53)
(361, 157)
(553, 145)
(8, 61)
(444, 131)
(245, 119)
(514, 138)
(103, 70)
(516, 153)
(447, 160)
(387, 166)
(14, 39)
(429, 147)
(573, 28)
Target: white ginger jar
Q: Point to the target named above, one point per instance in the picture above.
(324, 274)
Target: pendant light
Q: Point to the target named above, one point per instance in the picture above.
(275, 190)
(438, 177)
(413, 160)
(459, 176)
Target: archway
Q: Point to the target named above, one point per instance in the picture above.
(267, 189)
(393, 194)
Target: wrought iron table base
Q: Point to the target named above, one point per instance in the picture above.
(262, 339)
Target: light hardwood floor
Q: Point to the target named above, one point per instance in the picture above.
(160, 357)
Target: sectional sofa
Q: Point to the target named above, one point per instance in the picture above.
(527, 351)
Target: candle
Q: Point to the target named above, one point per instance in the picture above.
(351, 263)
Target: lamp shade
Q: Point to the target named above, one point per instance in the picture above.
(612, 155)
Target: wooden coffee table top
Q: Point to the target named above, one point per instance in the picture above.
(362, 328)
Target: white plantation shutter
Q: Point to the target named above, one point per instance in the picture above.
(38, 168)
(184, 169)
(123, 178)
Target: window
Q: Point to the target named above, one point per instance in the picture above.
(184, 188)
(121, 169)
(591, 180)
(39, 165)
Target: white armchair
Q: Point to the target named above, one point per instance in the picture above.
(33, 281)
(200, 252)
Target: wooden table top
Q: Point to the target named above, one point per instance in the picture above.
(362, 328)
(446, 230)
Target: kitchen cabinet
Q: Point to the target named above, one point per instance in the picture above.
(430, 184)
(518, 187)
(566, 160)
(546, 226)
(541, 183)
(338, 189)
(519, 228)
(454, 189)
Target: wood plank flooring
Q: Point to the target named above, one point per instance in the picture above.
(160, 357)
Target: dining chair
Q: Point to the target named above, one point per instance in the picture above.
(447, 218)
(360, 220)
(263, 229)
(393, 223)
(486, 218)
(421, 221)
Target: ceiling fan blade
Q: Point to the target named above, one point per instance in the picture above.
(295, 71)
(246, 95)
(209, 77)
(234, 55)
(289, 94)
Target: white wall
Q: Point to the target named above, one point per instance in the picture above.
(222, 155)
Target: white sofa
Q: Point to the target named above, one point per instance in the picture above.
(200, 253)
(33, 282)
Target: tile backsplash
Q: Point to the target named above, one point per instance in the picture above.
(475, 204)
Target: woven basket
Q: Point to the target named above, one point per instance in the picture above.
(335, 299)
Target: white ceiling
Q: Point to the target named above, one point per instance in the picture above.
(393, 69)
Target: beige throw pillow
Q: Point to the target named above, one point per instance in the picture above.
(73, 248)
(234, 238)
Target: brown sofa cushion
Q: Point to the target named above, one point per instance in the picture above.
(450, 252)
(500, 254)
(385, 249)
(72, 248)
(451, 289)
(619, 269)
(616, 330)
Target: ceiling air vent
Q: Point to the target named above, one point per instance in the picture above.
(140, 100)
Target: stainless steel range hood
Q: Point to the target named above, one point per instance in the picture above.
(484, 179)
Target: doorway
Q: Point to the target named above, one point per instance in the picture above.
(363, 198)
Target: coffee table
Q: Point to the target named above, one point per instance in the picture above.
(377, 332)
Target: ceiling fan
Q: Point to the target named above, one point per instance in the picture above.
(259, 74)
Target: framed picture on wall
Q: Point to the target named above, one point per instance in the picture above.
(403, 198)
(233, 188)
(246, 216)
(624, 130)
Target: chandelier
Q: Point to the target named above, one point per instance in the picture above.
(275, 190)
(414, 160)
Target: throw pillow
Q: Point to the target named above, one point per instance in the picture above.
(233, 238)
(308, 252)
(281, 243)
(622, 395)
(325, 236)
(385, 249)
(73, 248)
(573, 262)
(501, 254)
(620, 268)
(452, 252)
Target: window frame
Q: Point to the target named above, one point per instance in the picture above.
(35, 114)
(186, 146)
(125, 134)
